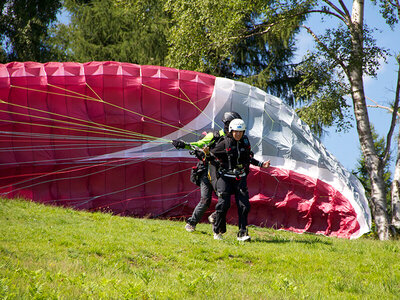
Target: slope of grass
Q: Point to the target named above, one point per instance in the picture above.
(56, 253)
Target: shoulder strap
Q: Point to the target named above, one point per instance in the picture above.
(228, 151)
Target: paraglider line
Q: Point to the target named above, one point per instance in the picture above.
(62, 171)
(165, 93)
(73, 92)
(201, 111)
(67, 160)
(57, 94)
(135, 186)
(102, 101)
(54, 137)
(98, 125)
(67, 128)
(180, 204)
(142, 198)
(94, 92)
(53, 180)
(60, 147)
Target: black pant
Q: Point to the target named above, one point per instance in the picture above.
(205, 200)
(227, 186)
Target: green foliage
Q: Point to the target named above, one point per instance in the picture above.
(127, 31)
(247, 40)
(3, 55)
(322, 96)
(59, 43)
(24, 29)
(388, 10)
(250, 41)
(324, 72)
(56, 253)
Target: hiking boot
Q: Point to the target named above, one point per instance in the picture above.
(211, 218)
(190, 228)
(243, 236)
(217, 236)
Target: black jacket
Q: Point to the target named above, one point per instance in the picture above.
(230, 154)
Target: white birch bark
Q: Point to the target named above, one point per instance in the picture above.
(373, 163)
(395, 191)
(396, 177)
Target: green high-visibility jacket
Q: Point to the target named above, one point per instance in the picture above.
(205, 141)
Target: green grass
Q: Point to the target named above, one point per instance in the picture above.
(56, 253)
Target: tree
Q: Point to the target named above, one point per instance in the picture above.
(24, 29)
(350, 52)
(390, 10)
(252, 41)
(205, 38)
(129, 31)
(362, 173)
(244, 40)
(396, 179)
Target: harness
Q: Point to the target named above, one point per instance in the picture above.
(202, 165)
(236, 170)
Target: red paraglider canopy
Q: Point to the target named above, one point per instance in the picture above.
(98, 136)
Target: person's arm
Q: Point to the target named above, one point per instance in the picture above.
(179, 144)
(203, 142)
(264, 164)
(261, 164)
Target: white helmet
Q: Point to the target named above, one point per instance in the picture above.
(237, 125)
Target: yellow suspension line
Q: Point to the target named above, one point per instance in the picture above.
(165, 93)
(65, 128)
(111, 104)
(94, 92)
(61, 121)
(187, 101)
(100, 126)
(53, 93)
(71, 91)
(143, 116)
(201, 111)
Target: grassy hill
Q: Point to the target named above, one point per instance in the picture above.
(56, 253)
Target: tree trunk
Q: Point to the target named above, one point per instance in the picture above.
(373, 163)
(396, 177)
(396, 191)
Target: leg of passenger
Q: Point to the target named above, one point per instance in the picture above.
(243, 203)
(204, 203)
(224, 202)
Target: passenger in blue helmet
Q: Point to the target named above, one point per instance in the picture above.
(200, 172)
(231, 158)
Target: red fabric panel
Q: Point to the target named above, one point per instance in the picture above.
(49, 163)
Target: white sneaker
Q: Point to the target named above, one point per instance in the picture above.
(243, 236)
(190, 228)
(217, 236)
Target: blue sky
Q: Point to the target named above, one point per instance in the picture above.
(345, 146)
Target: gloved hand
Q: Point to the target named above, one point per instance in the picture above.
(178, 144)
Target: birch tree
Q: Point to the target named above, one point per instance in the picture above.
(355, 56)
(390, 10)
(396, 178)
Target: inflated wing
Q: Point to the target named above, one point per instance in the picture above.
(97, 136)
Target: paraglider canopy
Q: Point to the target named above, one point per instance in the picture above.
(98, 136)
